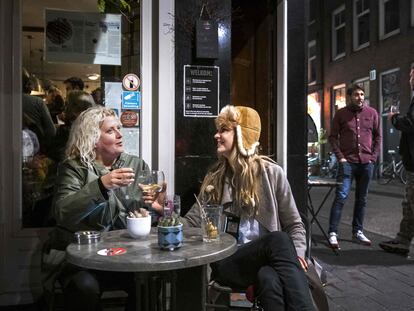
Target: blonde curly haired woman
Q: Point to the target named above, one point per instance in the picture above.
(88, 196)
(271, 235)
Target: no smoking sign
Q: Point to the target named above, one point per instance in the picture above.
(131, 82)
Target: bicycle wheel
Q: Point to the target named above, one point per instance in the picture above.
(403, 175)
(384, 173)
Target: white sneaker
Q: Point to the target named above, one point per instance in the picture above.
(333, 240)
(410, 255)
(361, 238)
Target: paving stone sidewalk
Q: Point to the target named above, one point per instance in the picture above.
(361, 277)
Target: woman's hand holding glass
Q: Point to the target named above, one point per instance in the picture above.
(117, 178)
(153, 188)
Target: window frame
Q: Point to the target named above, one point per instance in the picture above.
(355, 28)
(334, 33)
(382, 34)
(310, 59)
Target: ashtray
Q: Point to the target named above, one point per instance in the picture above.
(87, 237)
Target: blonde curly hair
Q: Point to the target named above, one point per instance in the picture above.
(85, 133)
(243, 172)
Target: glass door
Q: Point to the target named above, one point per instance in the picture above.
(74, 55)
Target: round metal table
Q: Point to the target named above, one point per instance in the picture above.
(184, 268)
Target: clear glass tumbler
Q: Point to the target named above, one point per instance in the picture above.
(211, 224)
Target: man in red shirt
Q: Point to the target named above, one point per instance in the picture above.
(355, 139)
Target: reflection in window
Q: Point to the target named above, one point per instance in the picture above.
(338, 97)
(390, 90)
(312, 11)
(361, 23)
(338, 33)
(389, 18)
(312, 62)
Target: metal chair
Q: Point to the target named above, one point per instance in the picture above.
(222, 299)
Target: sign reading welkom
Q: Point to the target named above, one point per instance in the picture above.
(201, 91)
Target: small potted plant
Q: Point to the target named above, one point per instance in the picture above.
(170, 232)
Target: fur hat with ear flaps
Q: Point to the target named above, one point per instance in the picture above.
(248, 130)
(246, 120)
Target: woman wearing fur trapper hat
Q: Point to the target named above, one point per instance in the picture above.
(254, 190)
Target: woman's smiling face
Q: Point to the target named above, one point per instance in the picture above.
(110, 142)
(225, 141)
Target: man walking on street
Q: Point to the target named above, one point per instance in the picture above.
(355, 139)
(405, 123)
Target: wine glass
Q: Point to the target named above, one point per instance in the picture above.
(126, 191)
(151, 182)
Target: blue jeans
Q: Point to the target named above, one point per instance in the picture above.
(362, 174)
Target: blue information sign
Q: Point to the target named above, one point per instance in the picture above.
(131, 100)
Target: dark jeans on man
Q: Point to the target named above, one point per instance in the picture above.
(82, 288)
(362, 174)
(271, 264)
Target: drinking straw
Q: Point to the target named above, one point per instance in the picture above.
(203, 212)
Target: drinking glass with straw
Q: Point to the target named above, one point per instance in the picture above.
(211, 217)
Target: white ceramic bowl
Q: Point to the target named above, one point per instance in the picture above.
(139, 227)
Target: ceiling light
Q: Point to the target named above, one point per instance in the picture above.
(93, 76)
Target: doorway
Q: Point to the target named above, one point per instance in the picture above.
(254, 64)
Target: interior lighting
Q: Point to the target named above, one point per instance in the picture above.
(93, 76)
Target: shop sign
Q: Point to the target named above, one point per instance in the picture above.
(201, 91)
(129, 118)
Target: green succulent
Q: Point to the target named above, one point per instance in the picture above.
(169, 221)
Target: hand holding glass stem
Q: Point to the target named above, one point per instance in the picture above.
(153, 189)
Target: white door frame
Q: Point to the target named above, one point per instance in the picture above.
(281, 148)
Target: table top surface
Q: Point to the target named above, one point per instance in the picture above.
(144, 254)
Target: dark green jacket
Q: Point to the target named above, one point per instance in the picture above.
(79, 203)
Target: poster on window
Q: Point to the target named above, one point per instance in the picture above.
(82, 37)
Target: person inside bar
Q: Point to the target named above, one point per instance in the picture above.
(95, 189)
(76, 102)
(254, 190)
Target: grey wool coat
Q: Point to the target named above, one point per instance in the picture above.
(277, 208)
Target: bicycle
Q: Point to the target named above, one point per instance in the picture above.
(329, 167)
(387, 171)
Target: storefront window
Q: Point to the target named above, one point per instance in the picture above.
(314, 123)
(338, 97)
(73, 57)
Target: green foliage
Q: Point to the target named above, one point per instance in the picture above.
(169, 220)
(323, 136)
(110, 5)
